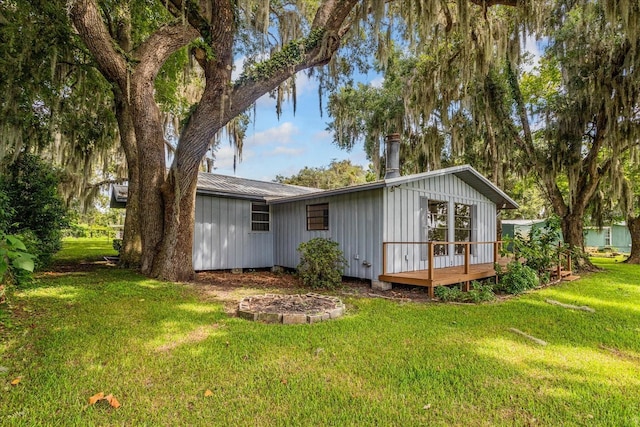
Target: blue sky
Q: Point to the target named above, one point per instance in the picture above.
(283, 147)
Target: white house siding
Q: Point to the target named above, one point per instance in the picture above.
(223, 238)
(402, 222)
(355, 222)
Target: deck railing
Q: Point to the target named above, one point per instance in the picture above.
(430, 258)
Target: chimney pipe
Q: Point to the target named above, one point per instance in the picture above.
(392, 142)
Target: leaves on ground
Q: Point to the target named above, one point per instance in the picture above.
(208, 393)
(109, 399)
(16, 381)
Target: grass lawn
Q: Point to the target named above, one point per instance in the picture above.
(158, 347)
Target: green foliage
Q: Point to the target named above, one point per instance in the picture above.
(16, 263)
(37, 211)
(290, 55)
(479, 292)
(117, 245)
(517, 278)
(337, 175)
(321, 263)
(538, 250)
(448, 294)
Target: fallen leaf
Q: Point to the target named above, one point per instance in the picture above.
(208, 393)
(428, 406)
(93, 399)
(283, 381)
(112, 401)
(16, 381)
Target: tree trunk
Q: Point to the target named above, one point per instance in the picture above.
(131, 252)
(572, 232)
(633, 223)
(174, 260)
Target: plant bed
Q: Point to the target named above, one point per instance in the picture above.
(290, 309)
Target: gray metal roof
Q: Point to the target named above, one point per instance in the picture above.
(226, 186)
(465, 172)
(118, 196)
(231, 186)
(274, 192)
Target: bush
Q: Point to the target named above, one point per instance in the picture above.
(447, 294)
(117, 245)
(36, 212)
(539, 249)
(321, 263)
(517, 278)
(479, 292)
(16, 263)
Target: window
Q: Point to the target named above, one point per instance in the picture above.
(318, 217)
(463, 226)
(607, 236)
(438, 227)
(259, 217)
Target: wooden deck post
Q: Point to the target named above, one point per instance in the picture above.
(384, 258)
(467, 257)
(495, 251)
(559, 268)
(430, 258)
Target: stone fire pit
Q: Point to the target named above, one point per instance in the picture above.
(290, 309)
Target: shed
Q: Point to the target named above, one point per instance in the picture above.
(615, 236)
(512, 227)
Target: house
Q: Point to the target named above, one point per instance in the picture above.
(391, 231)
(614, 237)
(513, 227)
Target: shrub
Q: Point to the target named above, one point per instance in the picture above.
(117, 245)
(479, 292)
(448, 294)
(16, 264)
(517, 278)
(37, 213)
(321, 263)
(539, 248)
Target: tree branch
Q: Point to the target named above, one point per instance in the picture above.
(160, 45)
(87, 20)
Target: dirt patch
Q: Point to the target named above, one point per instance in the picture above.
(227, 286)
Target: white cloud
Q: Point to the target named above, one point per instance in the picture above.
(282, 151)
(377, 82)
(282, 134)
(224, 156)
(323, 135)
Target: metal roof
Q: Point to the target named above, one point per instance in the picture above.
(231, 186)
(118, 196)
(226, 186)
(465, 172)
(275, 192)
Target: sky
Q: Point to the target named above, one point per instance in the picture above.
(285, 146)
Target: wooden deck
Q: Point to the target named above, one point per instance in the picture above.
(447, 275)
(441, 276)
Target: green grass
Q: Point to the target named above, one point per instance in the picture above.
(159, 346)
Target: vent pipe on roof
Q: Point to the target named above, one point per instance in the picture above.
(392, 148)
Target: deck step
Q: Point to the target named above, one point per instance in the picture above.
(565, 273)
(570, 278)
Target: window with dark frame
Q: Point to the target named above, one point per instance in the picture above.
(463, 219)
(438, 219)
(318, 217)
(260, 218)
